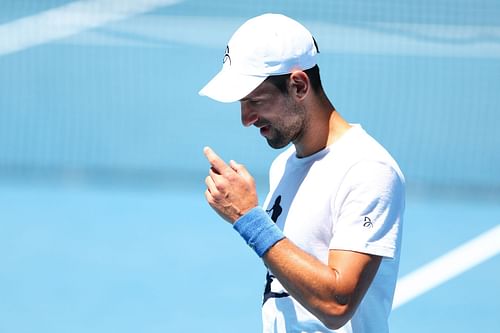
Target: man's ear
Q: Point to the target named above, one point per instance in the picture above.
(299, 84)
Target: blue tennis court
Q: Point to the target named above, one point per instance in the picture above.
(103, 222)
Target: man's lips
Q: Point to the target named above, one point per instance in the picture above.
(264, 130)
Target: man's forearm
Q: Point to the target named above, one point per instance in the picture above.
(309, 281)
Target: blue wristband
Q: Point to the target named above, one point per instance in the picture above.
(258, 230)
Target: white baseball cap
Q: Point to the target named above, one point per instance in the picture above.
(269, 44)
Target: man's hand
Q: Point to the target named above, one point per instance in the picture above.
(231, 189)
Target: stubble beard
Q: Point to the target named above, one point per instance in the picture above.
(288, 129)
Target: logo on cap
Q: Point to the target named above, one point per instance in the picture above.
(316, 45)
(226, 56)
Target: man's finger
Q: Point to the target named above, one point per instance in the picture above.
(210, 184)
(240, 169)
(216, 178)
(208, 197)
(215, 161)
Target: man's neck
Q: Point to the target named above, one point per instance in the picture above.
(325, 127)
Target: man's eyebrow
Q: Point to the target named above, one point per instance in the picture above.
(259, 96)
(245, 99)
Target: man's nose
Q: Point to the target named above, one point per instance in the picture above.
(248, 116)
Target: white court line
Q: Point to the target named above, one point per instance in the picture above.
(447, 266)
(208, 31)
(69, 20)
(393, 39)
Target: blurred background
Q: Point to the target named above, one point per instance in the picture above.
(103, 223)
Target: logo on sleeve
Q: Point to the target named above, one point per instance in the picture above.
(368, 222)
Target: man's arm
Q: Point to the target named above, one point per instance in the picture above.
(331, 292)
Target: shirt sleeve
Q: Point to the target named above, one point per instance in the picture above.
(368, 210)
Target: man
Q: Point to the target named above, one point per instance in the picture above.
(329, 231)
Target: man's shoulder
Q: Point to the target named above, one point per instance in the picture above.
(361, 147)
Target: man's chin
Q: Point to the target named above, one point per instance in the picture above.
(276, 144)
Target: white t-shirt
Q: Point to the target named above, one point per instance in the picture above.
(349, 196)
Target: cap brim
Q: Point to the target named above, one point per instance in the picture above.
(228, 86)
